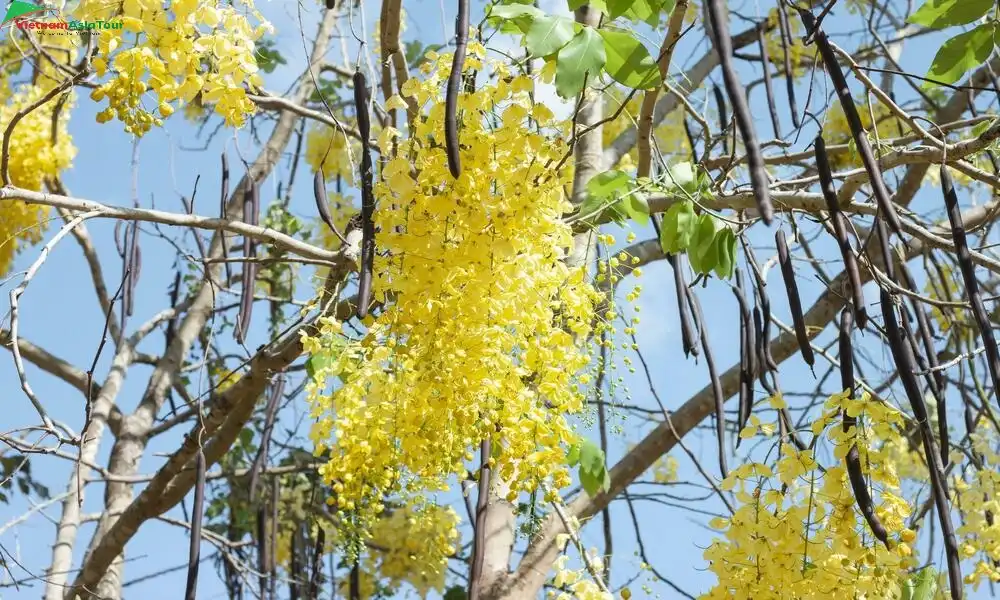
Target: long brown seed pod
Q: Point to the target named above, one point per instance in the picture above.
(249, 267)
(223, 199)
(691, 141)
(745, 313)
(272, 572)
(794, 303)
(713, 375)
(768, 363)
(746, 367)
(263, 550)
(454, 82)
(969, 276)
(931, 384)
(270, 412)
(765, 59)
(720, 107)
(759, 346)
(886, 207)
(861, 495)
(197, 512)
(906, 366)
(839, 222)
(718, 15)
(294, 566)
(786, 40)
(687, 330)
(355, 582)
(316, 573)
(367, 196)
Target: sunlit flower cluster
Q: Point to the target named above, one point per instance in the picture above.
(796, 531)
(979, 493)
(178, 52)
(486, 327)
(34, 157)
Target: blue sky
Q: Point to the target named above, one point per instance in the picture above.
(60, 311)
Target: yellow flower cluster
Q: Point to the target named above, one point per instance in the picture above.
(412, 545)
(797, 533)
(579, 582)
(33, 159)
(979, 497)
(327, 149)
(796, 50)
(180, 52)
(486, 328)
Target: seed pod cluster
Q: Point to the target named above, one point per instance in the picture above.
(902, 354)
(886, 207)
(317, 564)
(718, 14)
(713, 375)
(766, 362)
(454, 83)
(861, 495)
(839, 222)
(197, 512)
(367, 196)
(794, 303)
(969, 277)
(765, 59)
(131, 256)
(680, 287)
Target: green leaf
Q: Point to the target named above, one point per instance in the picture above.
(725, 243)
(548, 34)
(702, 251)
(678, 227)
(628, 61)
(582, 55)
(267, 57)
(980, 129)
(939, 14)
(512, 11)
(455, 592)
(573, 456)
(617, 8)
(600, 5)
(595, 482)
(684, 176)
(591, 456)
(608, 184)
(960, 54)
(636, 208)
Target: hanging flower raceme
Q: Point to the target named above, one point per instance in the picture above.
(797, 532)
(187, 50)
(484, 327)
(37, 153)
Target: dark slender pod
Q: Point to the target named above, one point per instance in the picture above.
(367, 197)
(713, 375)
(794, 303)
(687, 330)
(270, 412)
(964, 257)
(939, 399)
(720, 107)
(902, 354)
(223, 199)
(746, 367)
(861, 494)
(249, 267)
(768, 364)
(745, 313)
(454, 83)
(691, 142)
(886, 207)
(263, 550)
(319, 194)
(718, 15)
(197, 511)
(316, 573)
(839, 222)
(765, 59)
(786, 40)
(758, 349)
